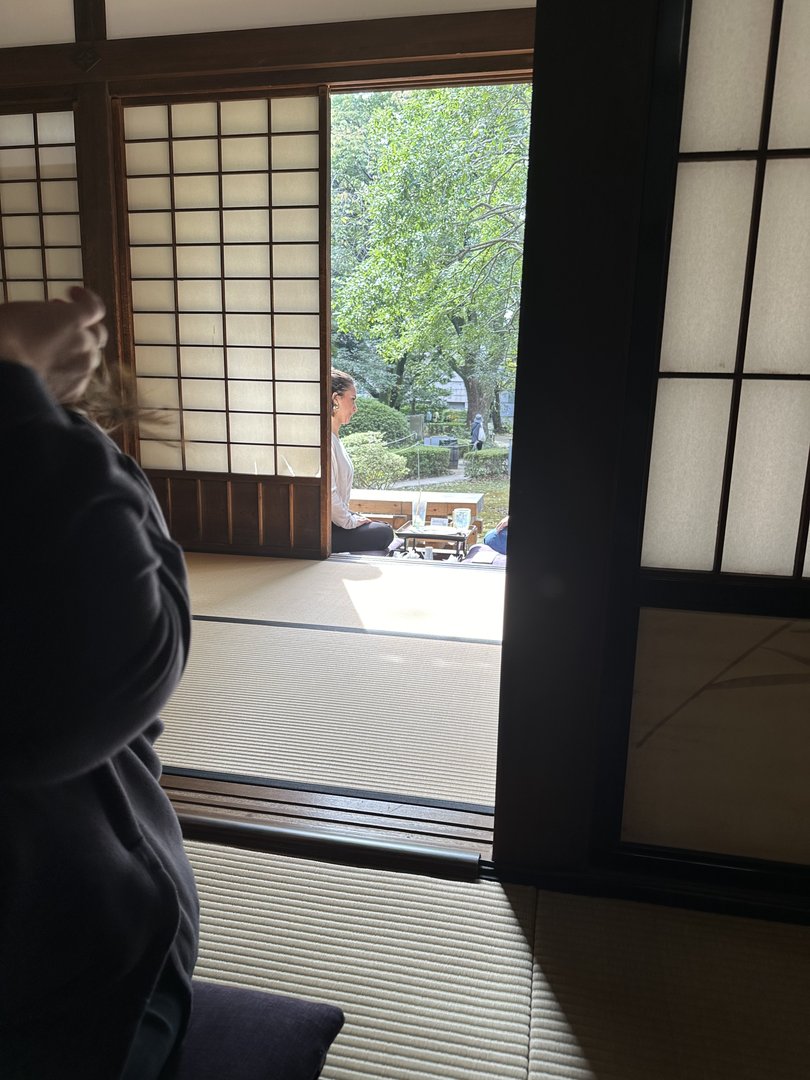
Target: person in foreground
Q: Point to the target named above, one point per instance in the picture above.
(98, 908)
(350, 531)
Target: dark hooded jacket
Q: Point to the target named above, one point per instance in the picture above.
(95, 890)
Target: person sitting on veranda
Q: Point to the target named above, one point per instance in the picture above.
(350, 531)
(498, 537)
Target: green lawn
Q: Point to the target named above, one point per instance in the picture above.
(496, 496)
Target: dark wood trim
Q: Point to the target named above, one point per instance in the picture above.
(333, 46)
(90, 20)
(325, 304)
(740, 594)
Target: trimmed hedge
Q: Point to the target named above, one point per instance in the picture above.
(373, 415)
(485, 463)
(426, 460)
(375, 466)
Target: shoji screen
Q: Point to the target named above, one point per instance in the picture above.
(717, 754)
(225, 224)
(728, 484)
(40, 241)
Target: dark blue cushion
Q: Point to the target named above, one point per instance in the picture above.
(241, 1034)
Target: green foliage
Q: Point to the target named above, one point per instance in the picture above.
(482, 463)
(428, 206)
(373, 415)
(375, 466)
(426, 460)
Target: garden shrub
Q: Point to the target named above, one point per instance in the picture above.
(375, 466)
(373, 415)
(425, 460)
(485, 463)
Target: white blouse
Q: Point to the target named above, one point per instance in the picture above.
(342, 478)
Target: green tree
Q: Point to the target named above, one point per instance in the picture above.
(428, 213)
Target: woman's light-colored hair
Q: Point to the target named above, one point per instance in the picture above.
(341, 382)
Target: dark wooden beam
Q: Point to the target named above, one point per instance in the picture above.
(334, 46)
(90, 20)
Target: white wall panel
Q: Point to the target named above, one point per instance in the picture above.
(36, 22)
(156, 17)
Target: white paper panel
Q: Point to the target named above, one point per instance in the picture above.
(156, 262)
(294, 114)
(299, 461)
(767, 480)
(203, 393)
(250, 396)
(157, 455)
(245, 189)
(153, 295)
(200, 329)
(302, 331)
(154, 329)
(296, 295)
(197, 226)
(194, 119)
(247, 261)
(252, 428)
(292, 225)
(21, 231)
(790, 118)
(55, 127)
(148, 157)
(150, 228)
(256, 460)
(779, 327)
(17, 129)
(245, 226)
(196, 155)
(203, 361)
(157, 393)
(36, 22)
(294, 151)
(60, 197)
(686, 473)
(244, 154)
(244, 117)
(298, 397)
(59, 290)
(62, 229)
(706, 266)
(162, 424)
(298, 429)
(247, 296)
(205, 426)
(295, 189)
(149, 193)
(297, 364)
(63, 263)
(249, 329)
(196, 295)
(156, 360)
(295, 260)
(198, 262)
(57, 161)
(19, 198)
(250, 363)
(725, 74)
(192, 192)
(146, 122)
(19, 163)
(24, 263)
(26, 290)
(206, 457)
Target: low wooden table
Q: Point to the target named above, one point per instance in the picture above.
(445, 534)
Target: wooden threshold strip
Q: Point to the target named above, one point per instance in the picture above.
(346, 828)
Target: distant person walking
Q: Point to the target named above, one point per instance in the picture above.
(478, 432)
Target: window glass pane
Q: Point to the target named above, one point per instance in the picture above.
(295, 151)
(294, 113)
(256, 460)
(295, 260)
(298, 397)
(244, 117)
(206, 457)
(203, 361)
(779, 327)
(252, 428)
(18, 164)
(725, 74)
(686, 473)
(205, 426)
(195, 119)
(250, 363)
(203, 393)
(767, 481)
(790, 120)
(720, 708)
(250, 396)
(296, 295)
(146, 122)
(295, 189)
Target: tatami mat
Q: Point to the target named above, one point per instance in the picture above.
(402, 715)
(397, 595)
(449, 980)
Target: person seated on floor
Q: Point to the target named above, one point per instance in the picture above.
(498, 537)
(350, 531)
